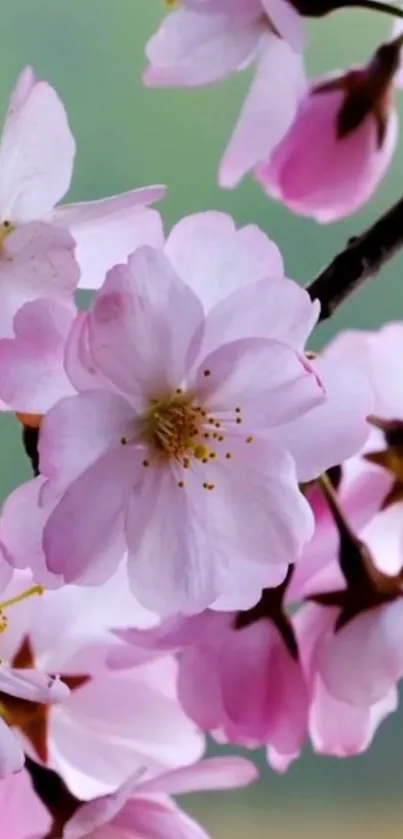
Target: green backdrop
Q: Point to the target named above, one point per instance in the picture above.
(92, 51)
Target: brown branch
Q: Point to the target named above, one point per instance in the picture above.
(363, 257)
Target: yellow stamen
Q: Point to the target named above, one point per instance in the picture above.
(5, 228)
(20, 597)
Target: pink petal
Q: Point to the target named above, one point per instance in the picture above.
(83, 538)
(257, 510)
(37, 260)
(285, 388)
(136, 303)
(193, 50)
(122, 223)
(36, 152)
(21, 529)
(32, 376)
(268, 111)
(153, 819)
(215, 259)
(119, 723)
(373, 639)
(31, 685)
(314, 173)
(244, 584)
(271, 308)
(208, 774)
(340, 729)
(277, 709)
(335, 430)
(199, 686)
(12, 757)
(98, 813)
(78, 362)
(20, 822)
(173, 566)
(79, 430)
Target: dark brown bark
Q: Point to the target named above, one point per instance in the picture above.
(363, 258)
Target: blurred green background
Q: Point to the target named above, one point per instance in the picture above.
(92, 51)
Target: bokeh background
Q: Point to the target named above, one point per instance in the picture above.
(92, 51)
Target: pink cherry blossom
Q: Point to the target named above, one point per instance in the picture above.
(23, 816)
(340, 144)
(37, 152)
(29, 685)
(118, 457)
(336, 727)
(220, 653)
(247, 298)
(144, 808)
(364, 626)
(110, 724)
(203, 42)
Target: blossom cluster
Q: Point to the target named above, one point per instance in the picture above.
(212, 536)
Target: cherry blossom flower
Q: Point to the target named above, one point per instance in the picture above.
(203, 42)
(23, 816)
(145, 808)
(354, 579)
(109, 724)
(36, 162)
(336, 727)
(247, 298)
(29, 687)
(220, 653)
(341, 142)
(175, 471)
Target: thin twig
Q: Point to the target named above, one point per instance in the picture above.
(363, 257)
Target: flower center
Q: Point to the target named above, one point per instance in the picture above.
(173, 427)
(177, 428)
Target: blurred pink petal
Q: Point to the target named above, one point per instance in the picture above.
(268, 111)
(23, 816)
(32, 376)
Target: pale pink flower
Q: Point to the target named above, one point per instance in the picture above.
(241, 295)
(359, 601)
(203, 42)
(176, 454)
(36, 162)
(23, 816)
(145, 808)
(336, 727)
(28, 687)
(110, 724)
(221, 653)
(340, 144)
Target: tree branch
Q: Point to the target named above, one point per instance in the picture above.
(363, 257)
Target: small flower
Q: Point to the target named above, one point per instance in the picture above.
(91, 725)
(341, 142)
(184, 468)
